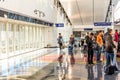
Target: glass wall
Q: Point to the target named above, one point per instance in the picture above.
(19, 41)
(21, 38)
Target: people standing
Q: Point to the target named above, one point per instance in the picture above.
(85, 46)
(116, 36)
(72, 40)
(100, 44)
(90, 49)
(71, 45)
(118, 48)
(87, 37)
(109, 49)
(60, 41)
(70, 49)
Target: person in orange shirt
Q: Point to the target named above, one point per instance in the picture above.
(100, 44)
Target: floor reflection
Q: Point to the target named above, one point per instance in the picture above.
(90, 72)
(99, 71)
(95, 72)
(111, 77)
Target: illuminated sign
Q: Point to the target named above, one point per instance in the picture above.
(102, 23)
(59, 25)
(88, 29)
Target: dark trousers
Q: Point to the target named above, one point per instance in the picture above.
(90, 55)
(99, 54)
(60, 46)
(109, 58)
(109, 61)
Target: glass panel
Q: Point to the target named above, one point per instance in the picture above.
(37, 38)
(33, 37)
(30, 38)
(10, 37)
(43, 36)
(40, 37)
(16, 37)
(26, 36)
(3, 37)
(22, 37)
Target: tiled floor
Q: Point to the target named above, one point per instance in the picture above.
(22, 64)
(80, 71)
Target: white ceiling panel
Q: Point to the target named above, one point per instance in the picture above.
(86, 12)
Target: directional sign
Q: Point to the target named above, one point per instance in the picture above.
(59, 25)
(102, 23)
(88, 28)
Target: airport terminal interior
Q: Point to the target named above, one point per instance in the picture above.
(59, 39)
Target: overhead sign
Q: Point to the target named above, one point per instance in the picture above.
(59, 25)
(102, 23)
(88, 29)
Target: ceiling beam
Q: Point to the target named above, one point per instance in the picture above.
(79, 12)
(108, 11)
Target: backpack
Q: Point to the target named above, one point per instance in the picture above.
(110, 70)
(95, 46)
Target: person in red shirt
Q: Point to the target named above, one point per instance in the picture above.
(118, 47)
(116, 36)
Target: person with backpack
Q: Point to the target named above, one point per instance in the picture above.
(60, 41)
(109, 49)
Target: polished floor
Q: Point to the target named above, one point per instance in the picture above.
(82, 71)
(42, 68)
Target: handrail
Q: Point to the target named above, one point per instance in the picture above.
(21, 54)
(27, 61)
(38, 57)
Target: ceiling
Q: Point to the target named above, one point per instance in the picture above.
(85, 12)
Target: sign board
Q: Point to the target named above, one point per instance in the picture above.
(88, 29)
(102, 23)
(59, 25)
